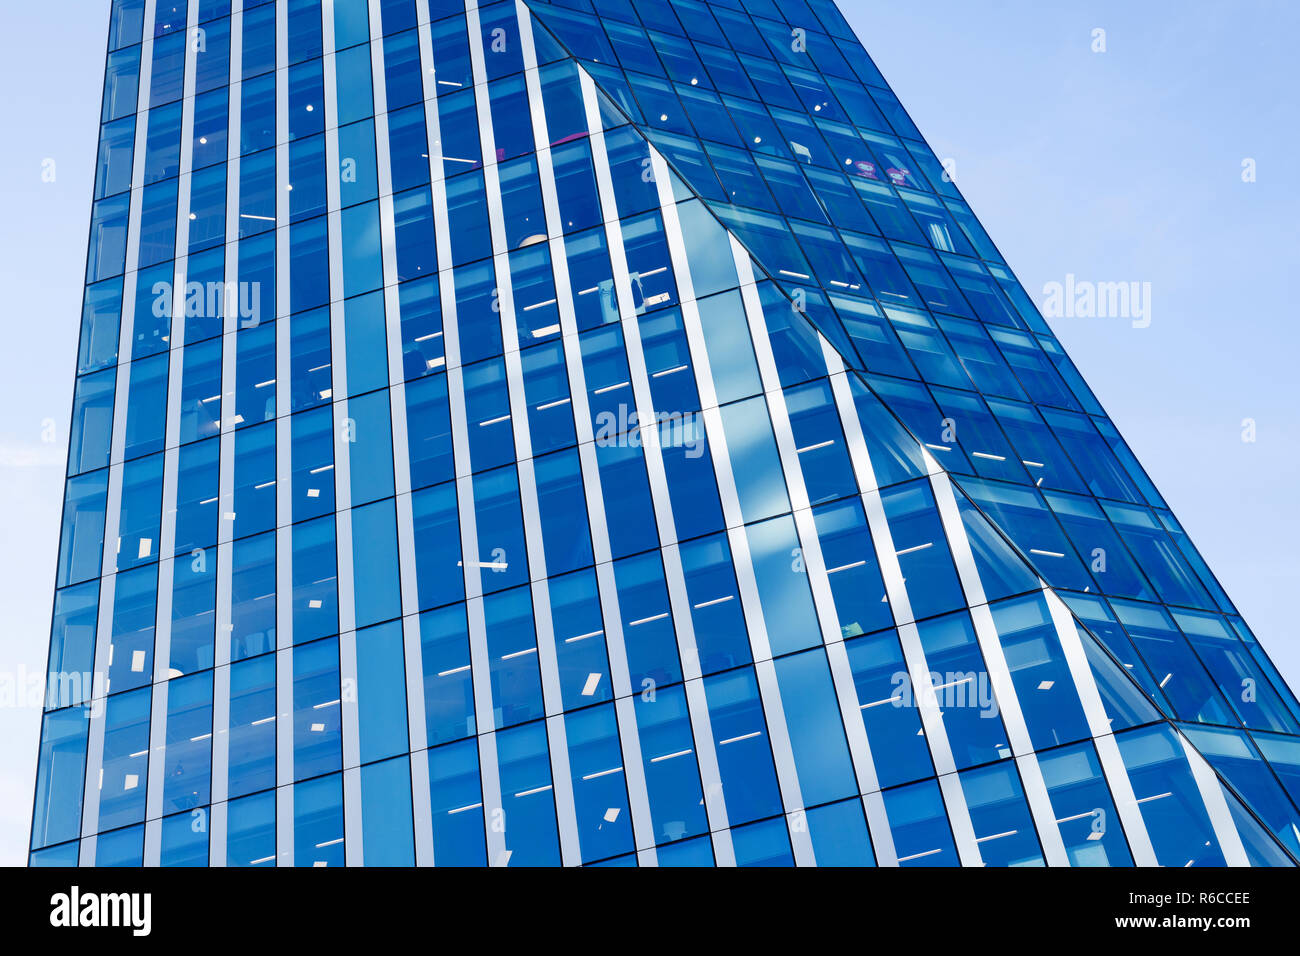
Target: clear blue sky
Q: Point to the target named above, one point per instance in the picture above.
(1120, 166)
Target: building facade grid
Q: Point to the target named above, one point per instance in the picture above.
(520, 443)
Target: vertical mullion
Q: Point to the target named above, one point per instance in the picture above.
(1216, 805)
(171, 453)
(936, 736)
(480, 664)
(226, 459)
(814, 562)
(284, 810)
(999, 672)
(344, 426)
(561, 779)
(769, 689)
(633, 774)
(1112, 763)
(683, 625)
(113, 499)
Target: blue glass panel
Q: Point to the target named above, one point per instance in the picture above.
(370, 457)
(749, 784)
(502, 557)
(922, 549)
(448, 681)
(1000, 817)
(919, 825)
(839, 835)
(135, 603)
(315, 580)
(1048, 700)
(812, 715)
(512, 650)
(766, 843)
(457, 803)
(187, 759)
(250, 831)
(386, 828)
(579, 639)
(1081, 802)
(60, 773)
(563, 512)
(599, 791)
(439, 572)
(251, 759)
(126, 760)
(63, 855)
(963, 690)
(381, 692)
(121, 848)
(528, 811)
(697, 851)
(317, 735)
(1172, 808)
(668, 756)
(82, 541)
(755, 462)
(72, 645)
(318, 822)
(428, 427)
(647, 622)
(716, 614)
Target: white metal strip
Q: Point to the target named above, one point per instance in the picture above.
(226, 459)
(493, 809)
(529, 504)
(968, 573)
(882, 837)
(421, 808)
(999, 672)
(284, 775)
(113, 502)
(220, 765)
(1040, 808)
(154, 772)
(171, 444)
(963, 831)
(480, 668)
(345, 427)
(809, 542)
(1116, 774)
(284, 823)
(218, 825)
(354, 852)
(787, 772)
(1216, 805)
(890, 570)
(411, 647)
(673, 573)
(514, 375)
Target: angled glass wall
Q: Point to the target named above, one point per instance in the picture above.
(599, 434)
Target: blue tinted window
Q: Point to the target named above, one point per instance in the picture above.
(386, 827)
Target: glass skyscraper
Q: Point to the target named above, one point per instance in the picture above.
(598, 432)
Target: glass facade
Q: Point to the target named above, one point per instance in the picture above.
(599, 432)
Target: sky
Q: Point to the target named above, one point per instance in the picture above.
(1117, 166)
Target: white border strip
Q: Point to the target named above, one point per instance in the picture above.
(113, 501)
